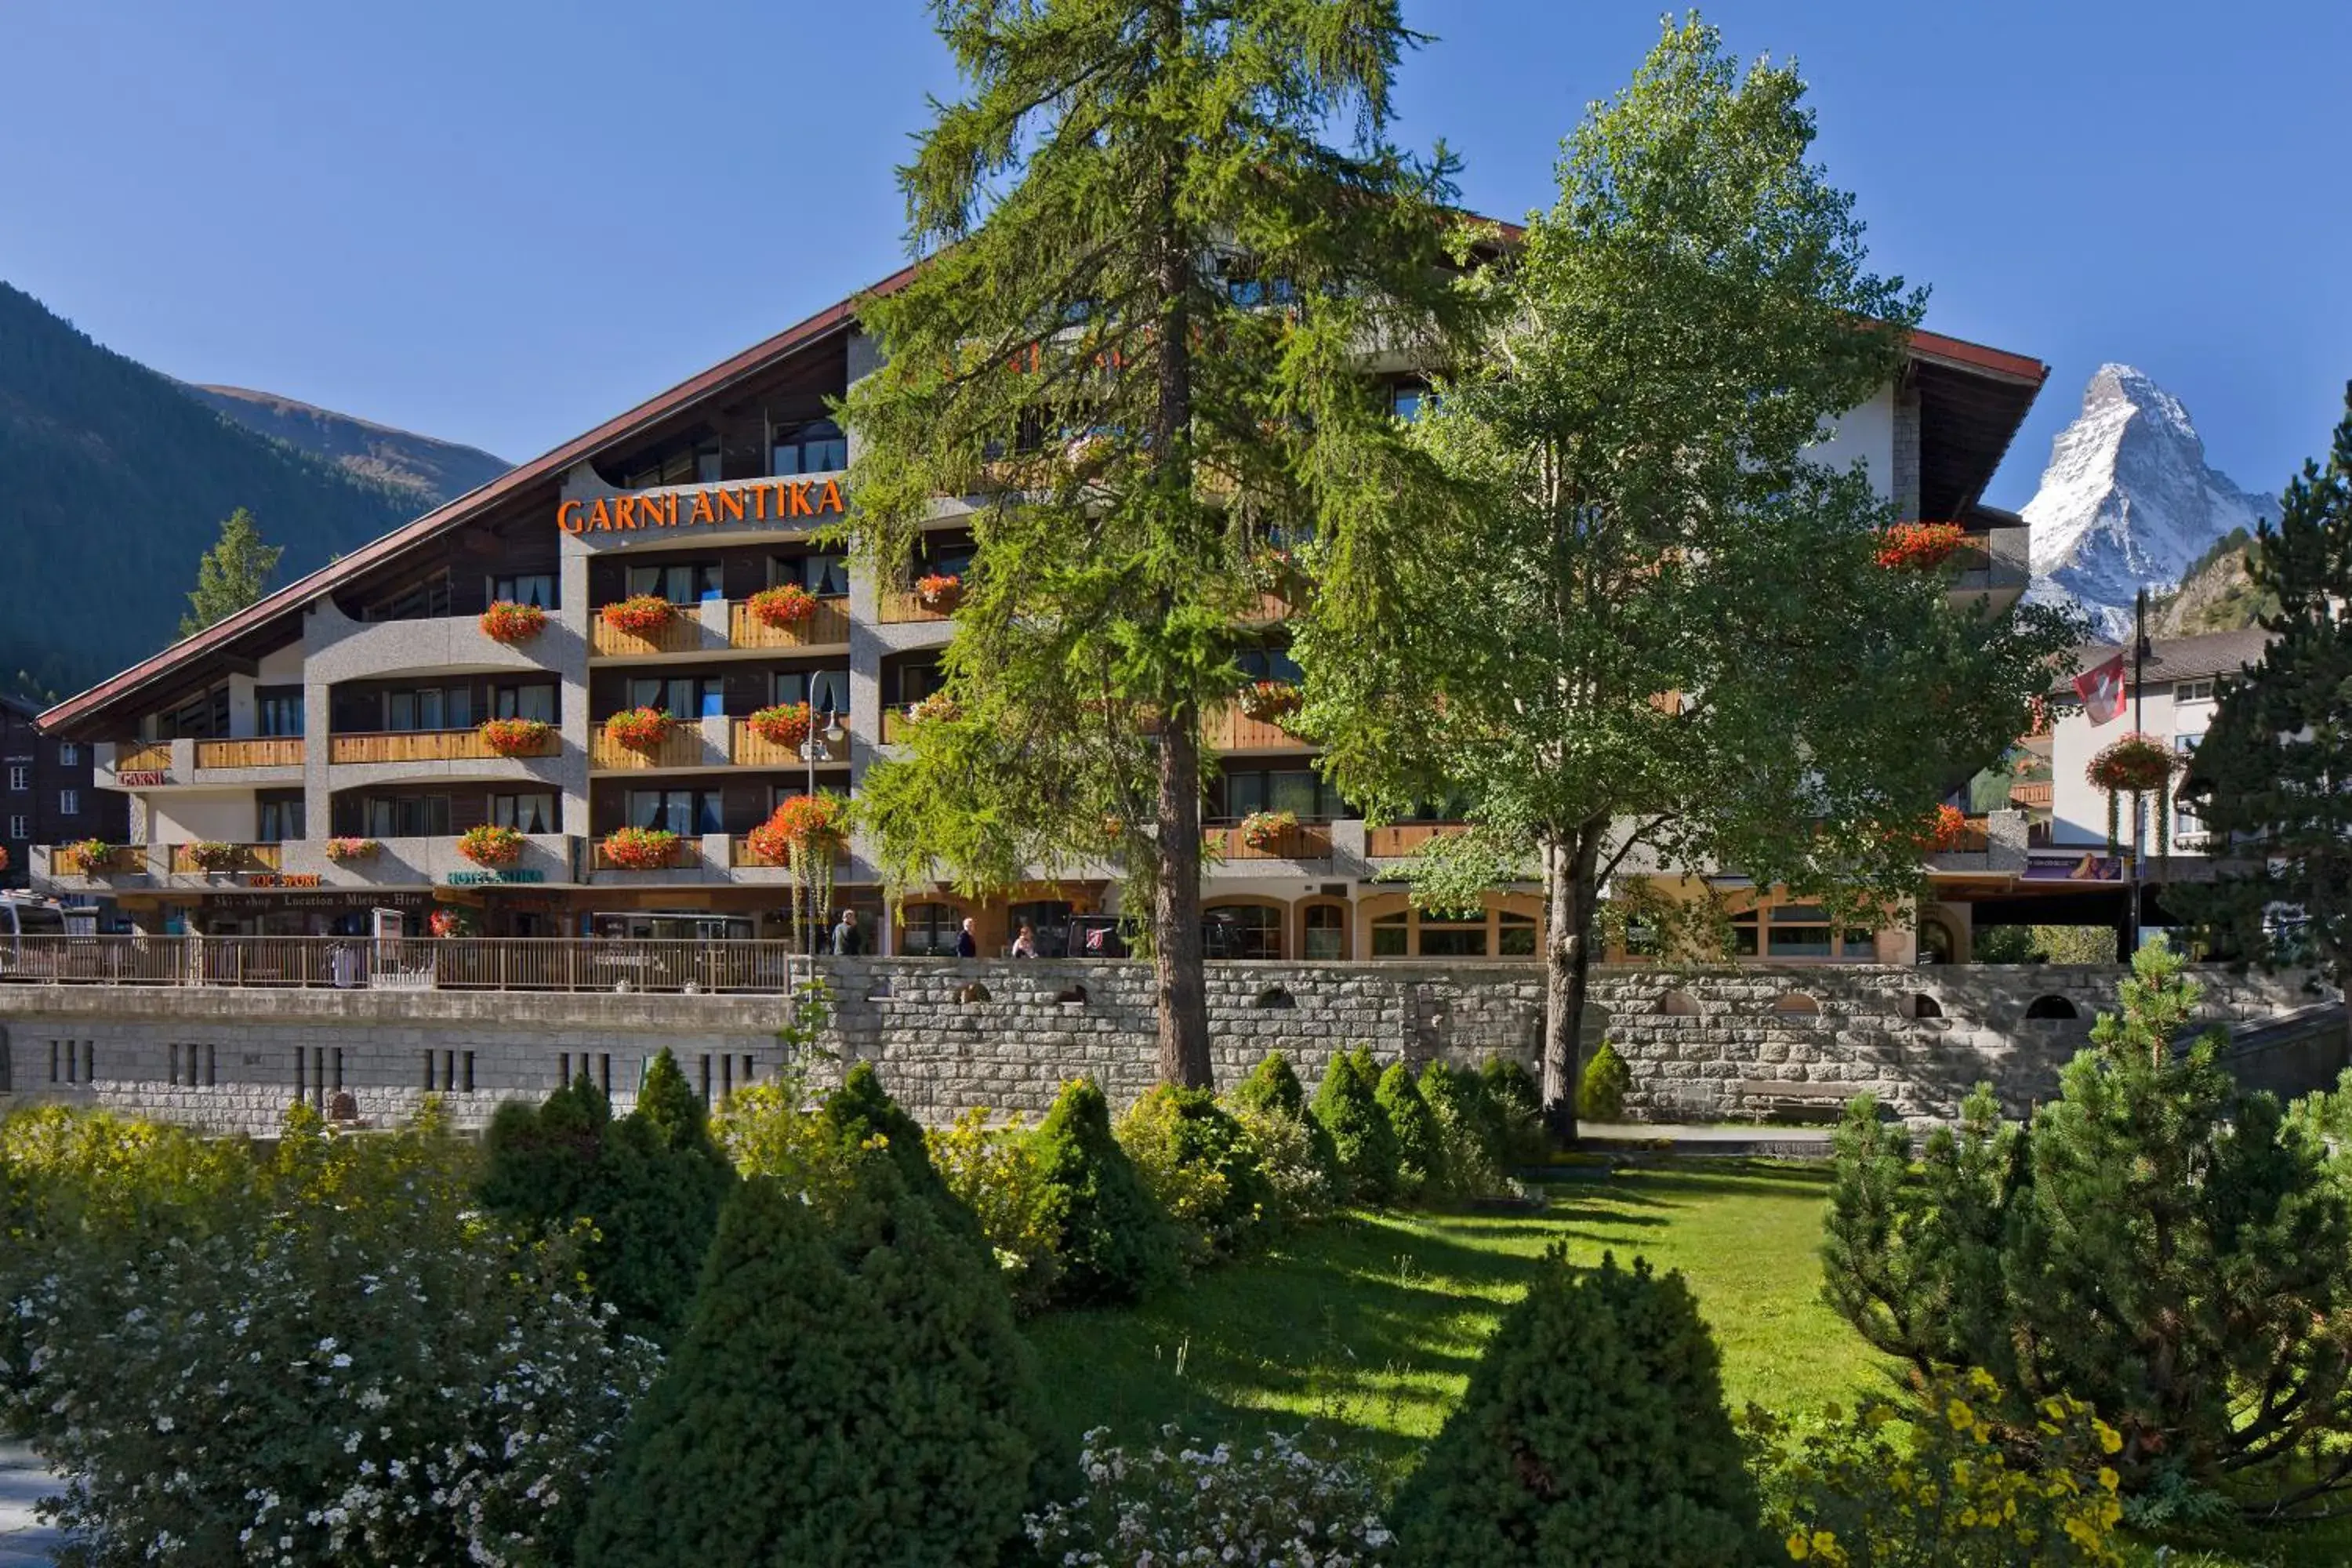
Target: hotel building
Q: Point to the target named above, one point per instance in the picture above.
(351, 704)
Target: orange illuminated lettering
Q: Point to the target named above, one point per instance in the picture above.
(599, 516)
(568, 518)
(760, 504)
(831, 500)
(731, 505)
(625, 512)
(702, 512)
(670, 511)
(800, 494)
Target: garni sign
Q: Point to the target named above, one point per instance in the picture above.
(142, 778)
(767, 500)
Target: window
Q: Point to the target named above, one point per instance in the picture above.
(278, 710)
(1325, 932)
(1049, 922)
(1299, 790)
(1515, 936)
(406, 816)
(953, 560)
(2186, 744)
(1743, 935)
(281, 819)
(1241, 930)
(680, 696)
(20, 776)
(1800, 931)
(1442, 938)
(425, 599)
(690, 462)
(69, 802)
(1391, 935)
(685, 811)
(430, 708)
(680, 581)
(818, 448)
(915, 680)
(532, 588)
(1406, 400)
(2192, 691)
(825, 574)
(68, 754)
(534, 813)
(821, 689)
(1270, 663)
(20, 828)
(535, 702)
(930, 930)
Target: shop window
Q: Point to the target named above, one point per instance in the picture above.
(1800, 931)
(1445, 939)
(1744, 935)
(530, 588)
(685, 811)
(930, 930)
(534, 812)
(1241, 930)
(1048, 920)
(819, 447)
(1515, 935)
(1326, 932)
(680, 582)
(278, 710)
(534, 702)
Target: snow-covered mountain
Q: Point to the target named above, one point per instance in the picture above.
(2128, 501)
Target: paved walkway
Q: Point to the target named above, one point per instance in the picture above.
(1784, 1143)
(24, 1541)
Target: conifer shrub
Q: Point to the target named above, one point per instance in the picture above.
(851, 1390)
(1273, 1088)
(1600, 1097)
(1421, 1145)
(1116, 1242)
(1593, 1431)
(1348, 1106)
(1197, 1162)
(994, 1173)
(1468, 1126)
(1519, 1111)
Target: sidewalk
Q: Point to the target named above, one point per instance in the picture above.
(24, 1541)
(1751, 1141)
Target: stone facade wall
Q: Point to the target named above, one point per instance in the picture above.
(1724, 1044)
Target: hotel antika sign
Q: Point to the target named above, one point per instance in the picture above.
(782, 502)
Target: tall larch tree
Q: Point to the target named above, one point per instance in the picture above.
(1141, 346)
(1647, 632)
(233, 574)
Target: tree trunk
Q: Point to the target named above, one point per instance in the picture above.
(1178, 978)
(1569, 884)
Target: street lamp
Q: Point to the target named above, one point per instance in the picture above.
(825, 732)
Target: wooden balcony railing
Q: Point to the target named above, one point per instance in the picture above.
(262, 751)
(1231, 730)
(748, 749)
(898, 606)
(740, 853)
(66, 862)
(249, 857)
(681, 748)
(2036, 793)
(687, 854)
(1307, 841)
(143, 757)
(1404, 837)
(827, 627)
(423, 746)
(682, 633)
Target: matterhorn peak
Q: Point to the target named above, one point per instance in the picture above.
(2128, 501)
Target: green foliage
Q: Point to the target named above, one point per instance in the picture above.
(994, 1172)
(323, 1348)
(1950, 1489)
(1602, 1095)
(1200, 1165)
(2156, 1242)
(2043, 945)
(2266, 776)
(233, 574)
(2004, 944)
(851, 1390)
(1593, 1431)
(1348, 1108)
(1637, 504)
(1181, 413)
(1116, 1243)
(1419, 1142)
(1470, 1126)
(1519, 1111)
(1293, 1154)
(1272, 1085)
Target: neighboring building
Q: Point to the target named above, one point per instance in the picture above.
(47, 792)
(350, 703)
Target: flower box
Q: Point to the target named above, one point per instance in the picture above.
(938, 592)
(95, 857)
(1269, 701)
(639, 729)
(938, 708)
(1265, 830)
(641, 849)
(488, 845)
(640, 615)
(785, 724)
(1920, 546)
(343, 849)
(786, 604)
(208, 855)
(517, 737)
(510, 623)
(804, 821)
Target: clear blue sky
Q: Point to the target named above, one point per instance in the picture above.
(503, 221)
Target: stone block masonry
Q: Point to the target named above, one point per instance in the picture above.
(1703, 1046)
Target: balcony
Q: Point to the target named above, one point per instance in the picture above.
(741, 856)
(897, 607)
(426, 746)
(718, 627)
(1303, 841)
(1990, 844)
(2030, 794)
(1994, 568)
(687, 854)
(244, 857)
(747, 748)
(145, 757)
(686, 747)
(165, 764)
(1229, 729)
(827, 627)
(269, 752)
(1400, 839)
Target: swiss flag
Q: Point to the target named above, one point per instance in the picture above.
(2101, 688)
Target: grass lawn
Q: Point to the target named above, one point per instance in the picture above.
(1373, 1322)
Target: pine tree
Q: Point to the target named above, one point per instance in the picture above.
(1137, 340)
(1117, 1243)
(233, 574)
(1421, 1145)
(1346, 1105)
(2272, 781)
(1593, 1431)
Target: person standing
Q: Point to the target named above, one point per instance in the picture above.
(848, 941)
(967, 940)
(1025, 944)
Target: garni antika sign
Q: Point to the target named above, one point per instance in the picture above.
(768, 501)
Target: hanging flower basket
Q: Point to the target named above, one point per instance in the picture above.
(1920, 546)
(1268, 830)
(641, 849)
(208, 855)
(517, 737)
(488, 845)
(786, 604)
(785, 724)
(342, 850)
(2136, 764)
(639, 615)
(803, 821)
(939, 591)
(1269, 700)
(639, 729)
(510, 623)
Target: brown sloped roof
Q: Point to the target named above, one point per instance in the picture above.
(2175, 658)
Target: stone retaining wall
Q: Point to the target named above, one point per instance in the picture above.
(1721, 1044)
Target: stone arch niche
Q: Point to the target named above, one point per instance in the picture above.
(1678, 1005)
(1926, 1006)
(2053, 1007)
(1794, 1005)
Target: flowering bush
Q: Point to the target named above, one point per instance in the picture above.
(1267, 700)
(1297, 1182)
(814, 821)
(639, 615)
(938, 590)
(994, 1172)
(641, 849)
(1954, 1491)
(93, 855)
(785, 724)
(517, 737)
(1268, 830)
(490, 845)
(1290, 1500)
(320, 1354)
(510, 623)
(639, 729)
(938, 707)
(786, 604)
(1920, 546)
(209, 855)
(339, 850)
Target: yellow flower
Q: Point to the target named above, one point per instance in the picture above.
(1959, 1416)
(1799, 1547)
(1825, 1545)
(2110, 1440)
(2108, 1479)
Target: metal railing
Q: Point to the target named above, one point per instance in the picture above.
(405, 963)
